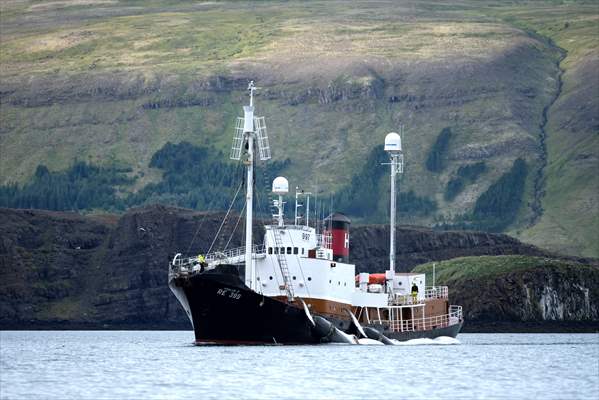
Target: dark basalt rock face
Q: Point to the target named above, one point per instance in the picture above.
(65, 270)
(544, 295)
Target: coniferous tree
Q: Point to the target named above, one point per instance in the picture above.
(435, 161)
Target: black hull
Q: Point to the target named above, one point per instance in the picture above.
(225, 311)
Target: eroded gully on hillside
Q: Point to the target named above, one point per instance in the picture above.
(539, 181)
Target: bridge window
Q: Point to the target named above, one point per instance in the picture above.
(282, 250)
(276, 250)
(295, 250)
(288, 250)
(270, 250)
(302, 251)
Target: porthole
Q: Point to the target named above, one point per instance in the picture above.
(344, 283)
(294, 278)
(309, 278)
(339, 283)
(330, 281)
(270, 277)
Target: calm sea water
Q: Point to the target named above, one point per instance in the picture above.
(165, 365)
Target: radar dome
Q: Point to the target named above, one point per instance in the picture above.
(280, 185)
(393, 142)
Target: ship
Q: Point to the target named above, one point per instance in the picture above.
(298, 285)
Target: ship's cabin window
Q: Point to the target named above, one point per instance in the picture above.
(339, 283)
(302, 251)
(276, 250)
(282, 250)
(270, 277)
(270, 250)
(258, 278)
(295, 250)
(330, 281)
(294, 278)
(288, 250)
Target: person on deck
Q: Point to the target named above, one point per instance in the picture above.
(414, 292)
(202, 261)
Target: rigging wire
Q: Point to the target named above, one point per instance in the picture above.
(235, 228)
(225, 218)
(207, 212)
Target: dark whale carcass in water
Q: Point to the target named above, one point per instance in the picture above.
(367, 332)
(328, 332)
(372, 333)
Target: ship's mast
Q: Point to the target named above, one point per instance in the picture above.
(248, 131)
(393, 147)
(392, 213)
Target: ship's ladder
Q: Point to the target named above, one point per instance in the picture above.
(283, 264)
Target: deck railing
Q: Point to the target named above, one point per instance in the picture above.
(436, 292)
(427, 323)
(430, 293)
(186, 265)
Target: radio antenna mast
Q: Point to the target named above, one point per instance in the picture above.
(393, 147)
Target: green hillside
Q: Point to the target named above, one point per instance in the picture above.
(461, 269)
(110, 83)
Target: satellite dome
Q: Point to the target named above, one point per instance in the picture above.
(280, 185)
(393, 143)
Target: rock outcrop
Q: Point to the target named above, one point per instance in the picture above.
(65, 270)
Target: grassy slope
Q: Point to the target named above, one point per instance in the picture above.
(462, 63)
(486, 267)
(570, 222)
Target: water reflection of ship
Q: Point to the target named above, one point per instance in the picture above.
(298, 286)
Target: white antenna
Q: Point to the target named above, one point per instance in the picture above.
(393, 147)
(280, 186)
(262, 136)
(250, 125)
(297, 205)
(298, 217)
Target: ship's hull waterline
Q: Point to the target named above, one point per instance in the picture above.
(224, 311)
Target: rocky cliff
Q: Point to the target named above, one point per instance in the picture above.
(498, 293)
(68, 270)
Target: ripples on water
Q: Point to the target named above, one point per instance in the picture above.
(165, 365)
